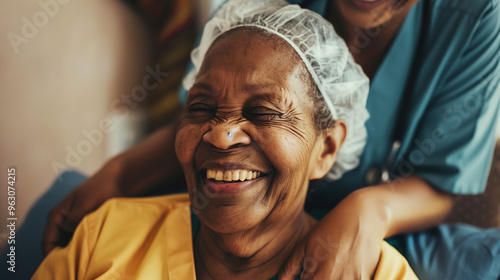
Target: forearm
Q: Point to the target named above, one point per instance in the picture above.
(404, 205)
(149, 164)
(352, 233)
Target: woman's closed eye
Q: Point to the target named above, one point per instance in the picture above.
(201, 110)
(260, 113)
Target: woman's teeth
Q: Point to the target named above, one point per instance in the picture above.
(232, 176)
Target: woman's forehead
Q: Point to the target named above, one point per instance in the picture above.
(258, 81)
(254, 64)
(251, 56)
(250, 45)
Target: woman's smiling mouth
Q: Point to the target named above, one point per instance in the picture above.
(231, 180)
(232, 175)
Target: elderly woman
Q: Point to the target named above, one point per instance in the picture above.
(275, 100)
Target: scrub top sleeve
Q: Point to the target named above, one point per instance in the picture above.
(453, 146)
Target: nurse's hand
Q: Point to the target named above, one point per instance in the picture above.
(345, 244)
(138, 170)
(88, 196)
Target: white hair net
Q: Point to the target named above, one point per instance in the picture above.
(339, 79)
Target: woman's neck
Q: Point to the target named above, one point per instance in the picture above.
(255, 254)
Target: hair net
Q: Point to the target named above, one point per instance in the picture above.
(339, 79)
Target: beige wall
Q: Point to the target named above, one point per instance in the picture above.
(58, 82)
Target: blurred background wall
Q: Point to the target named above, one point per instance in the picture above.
(61, 65)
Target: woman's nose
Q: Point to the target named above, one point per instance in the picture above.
(226, 136)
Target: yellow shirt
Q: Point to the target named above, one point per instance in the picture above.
(151, 238)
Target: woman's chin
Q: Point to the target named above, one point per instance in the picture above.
(230, 219)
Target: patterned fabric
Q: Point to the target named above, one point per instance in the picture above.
(173, 26)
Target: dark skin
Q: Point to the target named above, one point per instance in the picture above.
(368, 33)
(249, 232)
(365, 217)
(371, 214)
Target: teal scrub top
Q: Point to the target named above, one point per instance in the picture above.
(449, 137)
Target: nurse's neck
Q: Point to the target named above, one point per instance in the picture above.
(369, 46)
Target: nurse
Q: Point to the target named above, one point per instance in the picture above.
(435, 72)
(230, 145)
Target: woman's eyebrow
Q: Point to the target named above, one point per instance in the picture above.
(278, 101)
(268, 92)
(204, 86)
(205, 93)
(200, 96)
(246, 88)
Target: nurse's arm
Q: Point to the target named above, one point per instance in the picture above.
(347, 242)
(404, 205)
(139, 170)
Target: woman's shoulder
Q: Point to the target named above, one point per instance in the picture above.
(129, 238)
(392, 265)
(145, 210)
(128, 222)
(143, 205)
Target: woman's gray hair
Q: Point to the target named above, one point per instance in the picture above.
(340, 81)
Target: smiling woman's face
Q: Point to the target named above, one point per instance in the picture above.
(248, 112)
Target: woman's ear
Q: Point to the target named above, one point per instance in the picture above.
(325, 151)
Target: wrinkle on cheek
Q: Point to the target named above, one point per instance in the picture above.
(296, 142)
(187, 141)
(296, 126)
(283, 194)
(301, 136)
